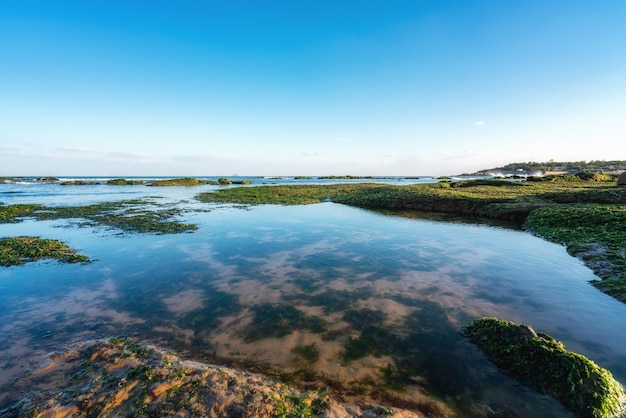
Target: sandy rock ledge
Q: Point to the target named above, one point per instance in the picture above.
(118, 377)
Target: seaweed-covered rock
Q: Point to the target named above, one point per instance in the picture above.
(187, 181)
(224, 181)
(589, 176)
(541, 361)
(121, 378)
(124, 182)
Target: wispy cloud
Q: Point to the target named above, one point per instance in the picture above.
(342, 139)
(479, 123)
(312, 153)
(77, 150)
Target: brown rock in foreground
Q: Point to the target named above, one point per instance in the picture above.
(118, 377)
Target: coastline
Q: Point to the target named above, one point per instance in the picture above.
(499, 200)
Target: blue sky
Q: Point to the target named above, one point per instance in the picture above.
(308, 87)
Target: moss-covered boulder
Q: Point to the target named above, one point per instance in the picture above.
(187, 181)
(79, 183)
(590, 176)
(124, 182)
(542, 362)
(224, 181)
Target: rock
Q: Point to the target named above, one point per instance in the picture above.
(621, 180)
(112, 377)
(542, 362)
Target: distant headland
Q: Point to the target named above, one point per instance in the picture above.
(552, 167)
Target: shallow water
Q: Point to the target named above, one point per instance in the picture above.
(228, 291)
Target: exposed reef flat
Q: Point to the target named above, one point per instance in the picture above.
(118, 377)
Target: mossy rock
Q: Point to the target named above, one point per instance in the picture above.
(542, 362)
(224, 181)
(589, 176)
(124, 182)
(187, 181)
(79, 183)
(47, 179)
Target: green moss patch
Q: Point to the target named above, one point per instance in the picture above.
(16, 251)
(542, 362)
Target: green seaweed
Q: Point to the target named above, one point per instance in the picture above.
(131, 216)
(362, 318)
(16, 251)
(279, 195)
(330, 299)
(13, 213)
(542, 362)
(374, 340)
(308, 353)
(277, 321)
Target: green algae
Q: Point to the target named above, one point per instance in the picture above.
(331, 300)
(14, 213)
(277, 195)
(129, 216)
(307, 353)
(538, 360)
(15, 251)
(276, 321)
(373, 340)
